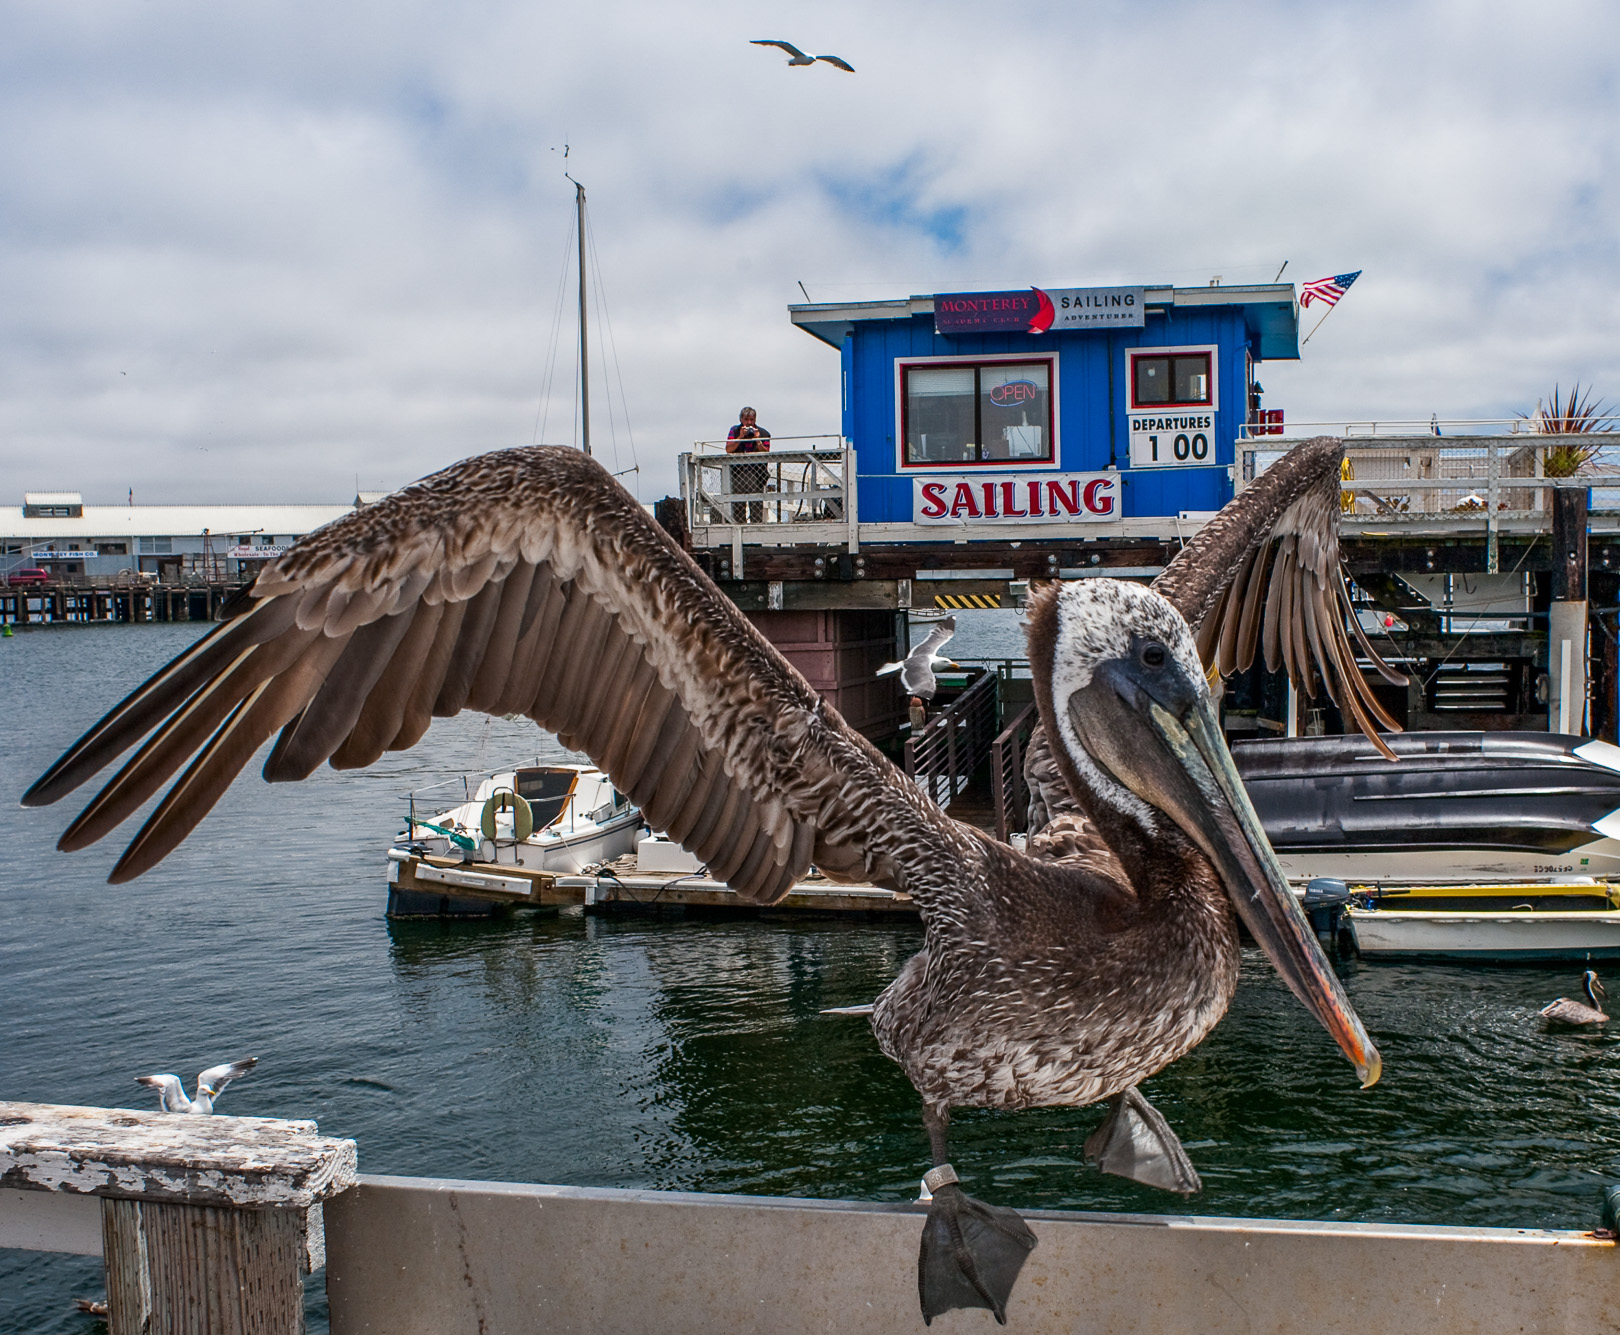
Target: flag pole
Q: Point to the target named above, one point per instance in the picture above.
(1319, 324)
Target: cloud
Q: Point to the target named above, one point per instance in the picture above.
(260, 251)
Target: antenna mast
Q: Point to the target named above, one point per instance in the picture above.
(584, 372)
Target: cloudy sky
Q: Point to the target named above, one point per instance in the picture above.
(255, 251)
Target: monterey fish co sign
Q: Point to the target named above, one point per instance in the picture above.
(1051, 498)
(1037, 311)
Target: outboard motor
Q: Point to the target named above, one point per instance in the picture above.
(1325, 898)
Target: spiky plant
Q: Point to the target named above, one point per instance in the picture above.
(1577, 415)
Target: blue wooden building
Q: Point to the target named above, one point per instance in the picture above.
(1052, 406)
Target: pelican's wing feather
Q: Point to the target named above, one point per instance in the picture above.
(1263, 575)
(524, 581)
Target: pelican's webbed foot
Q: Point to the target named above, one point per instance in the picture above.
(1136, 1142)
(971, 1252)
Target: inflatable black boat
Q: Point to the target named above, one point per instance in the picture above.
(1456, 806)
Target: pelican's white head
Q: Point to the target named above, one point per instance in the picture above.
(1099, 620)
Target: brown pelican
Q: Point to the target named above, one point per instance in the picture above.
(1565, 1011)
(529, 581)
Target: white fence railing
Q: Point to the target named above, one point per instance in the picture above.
(785, 486)
(1389, 478)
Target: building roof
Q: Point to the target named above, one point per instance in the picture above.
(1269, 310)
(169, 521)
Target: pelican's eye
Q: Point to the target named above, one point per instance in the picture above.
(1153, 654)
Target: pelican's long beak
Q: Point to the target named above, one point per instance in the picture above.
(1157, 733)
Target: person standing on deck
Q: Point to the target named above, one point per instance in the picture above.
(748, 437)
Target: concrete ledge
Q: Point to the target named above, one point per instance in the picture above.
(50, 1221)
(410, 1255)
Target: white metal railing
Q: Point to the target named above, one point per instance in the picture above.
(1460, 480)
(1417, 426)
(1395, 478)
(782, 486)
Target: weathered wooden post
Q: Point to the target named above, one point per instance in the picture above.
(208, 1223)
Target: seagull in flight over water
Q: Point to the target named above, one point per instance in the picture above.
(798, 57)
(210, 1083)
(916, 669)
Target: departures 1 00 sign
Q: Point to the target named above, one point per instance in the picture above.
(1172, 440)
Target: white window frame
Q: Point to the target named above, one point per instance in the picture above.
(1131, 354)
(902, 468)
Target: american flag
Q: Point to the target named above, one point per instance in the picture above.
(1327, 289)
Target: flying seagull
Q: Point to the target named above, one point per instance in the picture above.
(798, 57)
(210, 1084)
(1565, 1011)
(528, 581)
(916, 669)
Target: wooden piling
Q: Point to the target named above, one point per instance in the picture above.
(208, 1223)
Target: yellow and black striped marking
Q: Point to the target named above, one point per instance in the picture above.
(960, 601)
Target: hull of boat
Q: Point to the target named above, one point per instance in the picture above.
(568, 854)
(1456, 806)
(1500, 935)
(1600, 857)
(579, 821)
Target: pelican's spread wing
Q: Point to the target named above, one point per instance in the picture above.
(524, 581)
(171, 1093)
(1264, 573)
(785, 46)
(217, 1077)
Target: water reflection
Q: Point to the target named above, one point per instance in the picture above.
(687, 1054)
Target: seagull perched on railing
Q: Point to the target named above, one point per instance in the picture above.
(798, 57)
(172, 1094)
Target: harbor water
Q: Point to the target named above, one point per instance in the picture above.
(685, 1054)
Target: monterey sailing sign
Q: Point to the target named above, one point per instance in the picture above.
(1050, 498)
(1036, 311)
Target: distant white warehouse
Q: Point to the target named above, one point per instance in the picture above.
(58, 532)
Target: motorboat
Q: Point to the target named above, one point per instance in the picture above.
(558, 818)
(1455, 808)
(1574, 920)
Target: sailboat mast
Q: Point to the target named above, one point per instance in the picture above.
(584, 372)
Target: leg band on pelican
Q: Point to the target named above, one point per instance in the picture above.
(971, 1252)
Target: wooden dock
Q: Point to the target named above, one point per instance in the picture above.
(63, 602)
(433, 887)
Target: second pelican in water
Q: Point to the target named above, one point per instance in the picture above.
(1565, 1011)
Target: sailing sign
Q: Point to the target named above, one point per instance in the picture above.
(1050, 498)
(1097, 307)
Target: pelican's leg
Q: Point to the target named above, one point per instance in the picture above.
(971, 1252)
(1136, 1142)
